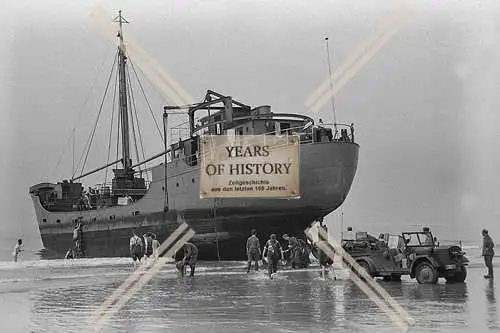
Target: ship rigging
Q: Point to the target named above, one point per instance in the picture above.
(156, 198)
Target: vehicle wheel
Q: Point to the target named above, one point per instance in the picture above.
(426, 273)
(364, 265)
(458, 277)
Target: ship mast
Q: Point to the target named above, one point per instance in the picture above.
(122, 59)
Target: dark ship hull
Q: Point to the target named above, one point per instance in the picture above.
(222, 226)
(102, 223)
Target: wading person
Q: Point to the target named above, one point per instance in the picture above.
(18, 248)
(253, 250)
(190, 258)
(148, 244)
(77, 238)
(303, 254)
(135, 248)
(326, 263)
(292, 250)
(79, 250)
(273, 252)
(156, 245)
(488, 253)
(69, 254)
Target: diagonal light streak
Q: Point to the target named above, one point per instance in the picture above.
(138, 279)
(398, 315)
(144, 279)
(165, 83)
(141, 269)
(347, 257)
(172, 91)
(365, 52)
(324, 86)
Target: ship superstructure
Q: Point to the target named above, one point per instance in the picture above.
(109, 213)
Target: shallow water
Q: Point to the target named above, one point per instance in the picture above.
(59, 296)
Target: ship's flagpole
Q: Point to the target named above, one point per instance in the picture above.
(331, 85)
(341, 225)
(73, 167)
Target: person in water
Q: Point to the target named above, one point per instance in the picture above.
(273, 252)
(190, 258)
(253, 250)
(18, 248)
(488, 253)
(148, 244)
(292, 251)
(69, 254)
(78, 238)
(326, 263)
(136, 248)
(156, 245)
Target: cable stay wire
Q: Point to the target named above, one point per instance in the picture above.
(118, 127)
(91, 138)
(161, 97)
(147, 101)
(71, 133)
(111, 127)
(129, 97)
(134, 109)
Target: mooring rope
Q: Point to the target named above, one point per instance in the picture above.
(215, 227)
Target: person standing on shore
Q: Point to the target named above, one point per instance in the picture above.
(488, 253)
(253, 250)
(18, 248)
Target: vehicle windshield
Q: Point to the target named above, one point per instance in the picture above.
(418, 239)
(394, 242)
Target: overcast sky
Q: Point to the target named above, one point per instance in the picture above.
(425, 107)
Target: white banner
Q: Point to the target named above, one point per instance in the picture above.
(242, 166)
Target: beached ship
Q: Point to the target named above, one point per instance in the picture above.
(109, 214)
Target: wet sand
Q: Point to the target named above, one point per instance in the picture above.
(59, 296)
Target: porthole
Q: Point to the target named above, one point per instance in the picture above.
(58, 221)
(177, 184)
(44, 220)
(192, 180)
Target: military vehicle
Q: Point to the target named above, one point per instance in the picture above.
(417, 254)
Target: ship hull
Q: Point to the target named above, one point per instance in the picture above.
(217, 238)
(221, 226)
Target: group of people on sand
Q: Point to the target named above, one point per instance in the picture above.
(148, 245)
(297, 253)
(143, 247)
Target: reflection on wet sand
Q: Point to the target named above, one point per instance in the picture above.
(492, 306)
(222, 298)
(455, 293)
